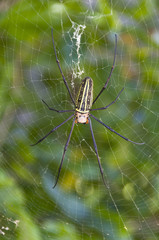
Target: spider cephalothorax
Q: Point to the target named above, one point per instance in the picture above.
(82, 107)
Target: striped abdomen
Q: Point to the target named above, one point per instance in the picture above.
(85, 96)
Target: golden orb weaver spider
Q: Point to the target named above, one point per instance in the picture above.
(82, 110)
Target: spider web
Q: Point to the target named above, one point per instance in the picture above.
(80, 207)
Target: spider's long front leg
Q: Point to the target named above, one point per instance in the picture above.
(58, 63)
(102, 108)
(96, 151)
(59, 111)
(53, 130)
(112, 68)
(112, 130)
(65, 149)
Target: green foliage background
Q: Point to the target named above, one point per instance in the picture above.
(79, 208)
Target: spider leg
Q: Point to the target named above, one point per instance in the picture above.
(96, 151)
(112, 130)
(108, 104)
(53, 130)
(58, 63)
(59, 111)
(65, 149)
(112, 68)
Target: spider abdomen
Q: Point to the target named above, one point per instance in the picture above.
(85, 96)
(84, 100)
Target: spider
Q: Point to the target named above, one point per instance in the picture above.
(82, 109)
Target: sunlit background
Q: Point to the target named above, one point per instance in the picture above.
(80, 207)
